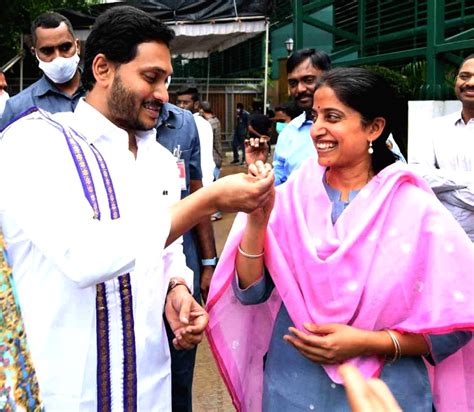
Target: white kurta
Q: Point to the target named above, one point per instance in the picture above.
(206, 140)
(59, 254)
(446, 161)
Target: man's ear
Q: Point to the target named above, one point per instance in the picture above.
(103, 70)
(376, 128)
(78, 46)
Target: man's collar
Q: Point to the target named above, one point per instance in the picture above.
(171, 116)
(300, 120)
(45, 85)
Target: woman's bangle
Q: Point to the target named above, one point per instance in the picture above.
(248, 255)
(398, 349)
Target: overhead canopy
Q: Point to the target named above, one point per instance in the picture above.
(201, 26)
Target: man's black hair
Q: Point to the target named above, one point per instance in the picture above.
(49, 20)
(319, 59)
(117, 33)
(189, 90)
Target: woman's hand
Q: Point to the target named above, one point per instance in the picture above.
(329, 344)
(256, 149)
(262, 214)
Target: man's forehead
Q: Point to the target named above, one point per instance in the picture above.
(468, 65)
(53, 36)
(185, 97)
(305, 68)
(154, 56)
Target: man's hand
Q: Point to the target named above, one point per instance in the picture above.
(367, 396)
(206, 277)
(256, 149)
(329, 344)
(242, 192)
(186, 318)
(261, 215)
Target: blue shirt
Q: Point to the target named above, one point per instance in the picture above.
(294, 383)
(43, 94)
(294, 145)
(176, 127)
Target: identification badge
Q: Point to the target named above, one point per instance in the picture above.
(182, 173)
(181, 166)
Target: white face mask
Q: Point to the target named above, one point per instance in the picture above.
(61, 69)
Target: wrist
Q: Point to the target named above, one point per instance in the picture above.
(209, 262)
(177, 282)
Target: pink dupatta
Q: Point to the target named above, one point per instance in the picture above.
(394, 259)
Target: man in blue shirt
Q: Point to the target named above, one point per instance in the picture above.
(294, 144)
(177, 131)
(57, 52)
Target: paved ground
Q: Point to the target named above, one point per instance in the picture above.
(209, 391)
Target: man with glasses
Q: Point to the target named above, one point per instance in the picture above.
(4, 96)
(294, 143)
(447, 161)
(57, 52)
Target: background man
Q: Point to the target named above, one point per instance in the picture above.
(294, 144)
(57, 51)
(189, 138)
(207, 113)
(240, 133)
(446, 160)
(4, 96)
(87, 230)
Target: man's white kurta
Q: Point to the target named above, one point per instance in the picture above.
(59, 253)
(206, 140)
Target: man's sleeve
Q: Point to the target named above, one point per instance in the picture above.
(8, 114)
(279, 158)
(190, 128)
(174, 260)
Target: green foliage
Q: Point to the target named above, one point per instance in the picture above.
(17, 15)
(397, 80)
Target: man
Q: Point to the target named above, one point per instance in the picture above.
(294, 144)
(447, 158)
(240, 133)
(188, 99)
(189, 138)
(4, 96)
(57, 51)
(85, 217)
(208, 114)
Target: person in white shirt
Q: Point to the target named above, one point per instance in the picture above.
(86, 217)
(188, 99)
(446, 160)
(4, 96)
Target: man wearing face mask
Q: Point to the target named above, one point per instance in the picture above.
(57, 52)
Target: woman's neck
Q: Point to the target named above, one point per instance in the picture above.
(347, 180)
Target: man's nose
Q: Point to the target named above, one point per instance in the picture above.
(161, 93)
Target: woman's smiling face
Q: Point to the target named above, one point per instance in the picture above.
(339, 134)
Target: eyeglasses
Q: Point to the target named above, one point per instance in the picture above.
(306, 80)
(465, 76)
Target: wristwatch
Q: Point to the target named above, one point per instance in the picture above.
(176, 282)
(209, 262)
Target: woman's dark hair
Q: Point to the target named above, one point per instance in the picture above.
(117, 33)
(369, 94)
(319, 59)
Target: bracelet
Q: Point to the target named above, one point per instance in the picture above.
(176, 282)
(209, 262)
(248, 255)
(396, 344)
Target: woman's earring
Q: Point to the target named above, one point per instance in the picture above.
(370, 149)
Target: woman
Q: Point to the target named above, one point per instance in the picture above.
(358, 262)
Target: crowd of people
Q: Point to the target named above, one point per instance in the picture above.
(344, 263)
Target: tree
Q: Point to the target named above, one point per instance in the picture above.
(16, 18)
